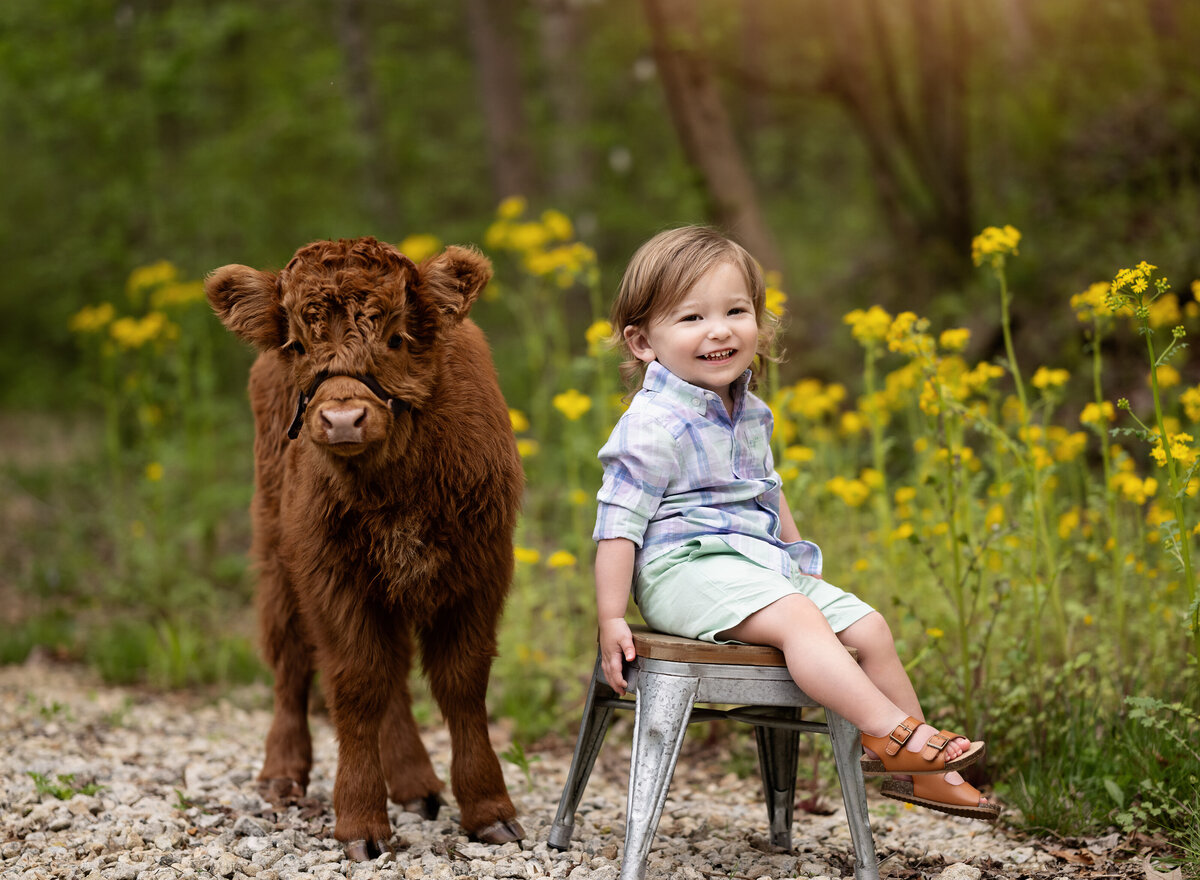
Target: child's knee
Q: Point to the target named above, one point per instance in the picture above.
(869, 632)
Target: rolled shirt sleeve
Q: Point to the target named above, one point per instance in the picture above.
(640, 460)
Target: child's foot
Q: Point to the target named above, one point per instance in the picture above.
(917, 748)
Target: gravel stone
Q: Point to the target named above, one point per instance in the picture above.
(165, 789)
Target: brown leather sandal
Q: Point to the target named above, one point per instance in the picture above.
(893, 758)
(936, 793)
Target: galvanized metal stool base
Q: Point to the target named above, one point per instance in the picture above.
(671, 675)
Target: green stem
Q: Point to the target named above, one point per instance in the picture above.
(1177, 493)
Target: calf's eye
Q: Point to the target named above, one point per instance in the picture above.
(395, 341)
(295, 346)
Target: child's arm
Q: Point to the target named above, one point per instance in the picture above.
(787, 523)
(614, 576)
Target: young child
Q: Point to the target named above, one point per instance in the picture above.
(691, 515)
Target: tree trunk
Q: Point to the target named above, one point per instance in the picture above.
(379, 179)
(497, 71)
(703, 126)
(917, 145)
(570, 163)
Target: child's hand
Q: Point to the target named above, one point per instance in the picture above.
(616, 645)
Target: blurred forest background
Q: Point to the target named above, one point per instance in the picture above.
(855, 146)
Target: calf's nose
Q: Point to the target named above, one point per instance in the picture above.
(343, 424)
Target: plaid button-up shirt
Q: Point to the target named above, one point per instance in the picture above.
(677, 467)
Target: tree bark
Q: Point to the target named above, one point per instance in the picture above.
(379, 179)
(497, 71)
(570, 166)
(917, 145)
(703, 127)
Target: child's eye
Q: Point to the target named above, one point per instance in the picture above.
(690, 318)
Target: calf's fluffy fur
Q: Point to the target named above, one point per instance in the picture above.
(389, 516)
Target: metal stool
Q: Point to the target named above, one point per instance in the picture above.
(669, 676)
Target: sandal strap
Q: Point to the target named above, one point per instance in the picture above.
(898, 737)
(937, 742)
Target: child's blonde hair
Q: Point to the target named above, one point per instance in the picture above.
(661, 273)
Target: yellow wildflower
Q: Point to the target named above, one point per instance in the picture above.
(579, 497)
(597, 336)
(1100, 414)
(177, 294)
(558, 225)
(1181, 450)
(560, 559)
(776, 299)
(90, 319)
(154, 471)
(419, 247)
(994, 243)
(955, 339)
(871, 477)
(1068, 523)
(526, 555)
(1164, 311)
(1191, 403)
(934, 633)
(572, 404)
(1045, 378)
(148, 277)
(869, 327)
(852, 492)
(852, 423)
(518, 420)
(1167, 376)
(995, 517)
(1092, 303)
(511, 208)
(132, 333)
(799, 454)
(901, 533)
(905, 494)
(527, 448)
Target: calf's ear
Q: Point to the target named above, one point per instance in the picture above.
(247, 302)
(454, 279)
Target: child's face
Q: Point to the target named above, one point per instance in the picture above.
(709, 338)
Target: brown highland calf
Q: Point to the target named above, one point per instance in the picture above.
(386, 490)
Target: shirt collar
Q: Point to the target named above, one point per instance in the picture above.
(660, 380)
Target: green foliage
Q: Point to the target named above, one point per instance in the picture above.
(62, 787)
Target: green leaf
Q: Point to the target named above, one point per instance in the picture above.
(1114, 791)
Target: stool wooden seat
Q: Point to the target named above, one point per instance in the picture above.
(667, 679)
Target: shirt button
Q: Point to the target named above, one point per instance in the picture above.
(695, 401)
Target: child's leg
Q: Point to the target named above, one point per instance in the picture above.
(819, 663)
(874, 694)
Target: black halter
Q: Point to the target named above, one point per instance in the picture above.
(395, 405)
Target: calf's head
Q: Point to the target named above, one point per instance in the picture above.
(358, 327)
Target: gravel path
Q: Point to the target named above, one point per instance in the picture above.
(161, 787)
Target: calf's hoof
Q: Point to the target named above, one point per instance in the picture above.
(504, 831)
(366, 850)
(426, 807)
(280, 790)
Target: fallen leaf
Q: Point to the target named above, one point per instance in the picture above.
(1152, 874)
(1074, 856)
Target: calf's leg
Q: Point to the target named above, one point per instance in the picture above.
(411, 780)
(288, 761)
(457, 659)
(358, 665)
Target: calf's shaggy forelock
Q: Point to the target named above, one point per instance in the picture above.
(388, 517)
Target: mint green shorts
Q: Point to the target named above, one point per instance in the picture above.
(705, 587)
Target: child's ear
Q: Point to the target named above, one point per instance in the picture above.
(638, 343)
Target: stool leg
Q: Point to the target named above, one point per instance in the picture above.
(592, 730)
(664, 705)
(778, 754)
(847, 751)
